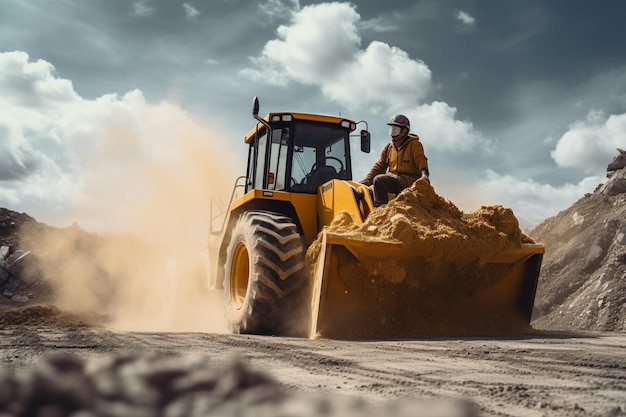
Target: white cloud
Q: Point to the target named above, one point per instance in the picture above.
(279, 9)
(436, 121)
(381, 78)
(142, 8)
(100, 160)
(321, 40)
(33, 102)
(31, 83)
(190, 11)
(590, 143)
(465, 18)
(321, 47)
(381, 24)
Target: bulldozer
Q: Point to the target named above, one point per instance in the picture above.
(298, 179)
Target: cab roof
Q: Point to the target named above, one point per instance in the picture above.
(301, 116)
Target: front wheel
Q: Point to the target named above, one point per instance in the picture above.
(266, 283)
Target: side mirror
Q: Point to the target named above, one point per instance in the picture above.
(255, 113)
(255, 107)
(365, 141)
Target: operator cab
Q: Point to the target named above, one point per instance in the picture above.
(298, 152)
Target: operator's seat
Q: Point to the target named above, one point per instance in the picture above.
(322, 174)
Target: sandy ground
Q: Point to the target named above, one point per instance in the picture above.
(547, 373)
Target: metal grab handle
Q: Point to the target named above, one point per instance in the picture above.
(232, 197)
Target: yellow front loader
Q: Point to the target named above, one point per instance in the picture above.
(298, 180)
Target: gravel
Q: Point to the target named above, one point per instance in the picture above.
(149, 385)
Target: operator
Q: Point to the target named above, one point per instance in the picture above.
(401, 163)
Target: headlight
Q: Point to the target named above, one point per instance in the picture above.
(281, 118)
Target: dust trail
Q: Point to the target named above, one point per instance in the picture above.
(145, 187)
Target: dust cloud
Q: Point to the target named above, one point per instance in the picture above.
(137, 259)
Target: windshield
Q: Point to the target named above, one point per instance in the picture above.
(320, 153)
(298, 156)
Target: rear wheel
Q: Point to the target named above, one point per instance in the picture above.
(266, 283)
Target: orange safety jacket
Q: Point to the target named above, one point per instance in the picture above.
(407, 161)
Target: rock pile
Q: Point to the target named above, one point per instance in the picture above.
(20, 274)
(583, 279)
(616, 174)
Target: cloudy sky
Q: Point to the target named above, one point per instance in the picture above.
(517, 103)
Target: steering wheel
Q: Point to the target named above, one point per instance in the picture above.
(329, 157)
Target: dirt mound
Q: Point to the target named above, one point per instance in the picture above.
(39, 315)
(583, 280)
(429, 224)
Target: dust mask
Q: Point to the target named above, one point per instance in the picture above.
(394, 131)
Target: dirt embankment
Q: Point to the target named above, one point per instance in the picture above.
(583, 279)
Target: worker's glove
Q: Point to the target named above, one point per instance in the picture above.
(366, 182)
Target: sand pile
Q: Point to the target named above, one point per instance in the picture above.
(433, 225)
(433, 229)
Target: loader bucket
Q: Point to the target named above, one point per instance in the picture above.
(371, 289)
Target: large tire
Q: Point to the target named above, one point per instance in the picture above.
(266, 283)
